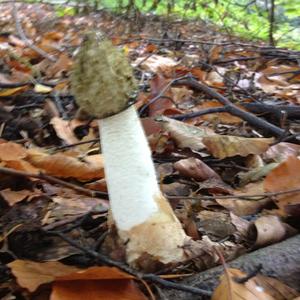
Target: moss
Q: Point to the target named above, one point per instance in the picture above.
(102, 79)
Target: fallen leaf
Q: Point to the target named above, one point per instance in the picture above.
(285, 177)
(155, 62)
(12, 91)
(31, 275)
(243, 207)
(66, 166)
(224, 118)
(96, 290)
(63, 130)
(256, 288)
(282, 151)
(256, 174)
(229, 289)
(186, 136)
(222, 146)
(196, 169)
(13, 197)
(11, 151)
(268, 230)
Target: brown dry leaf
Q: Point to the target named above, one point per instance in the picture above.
(224, 118)
(22, 165)
(63, 64)
(186, 136)
(13, 197)
(181, 94)
(242, 207)
(222, 146)
(11, 151)
(96, 290)
(282, 151)
(31, 275)
(275, 288)
(155, 62)
(271, 81)
(66, 166)
(269, 230)
(228, 289)
(95, 273)
(99, 185)
(196, 169)
(96, 283)
(63, 130)
(12, 91)
(285, 177)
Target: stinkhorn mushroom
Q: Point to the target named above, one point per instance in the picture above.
(102, 81)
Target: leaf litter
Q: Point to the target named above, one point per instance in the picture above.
(56, 183)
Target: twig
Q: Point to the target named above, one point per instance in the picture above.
(51, 179)
(232, 109)
(151, 277)
(199, 113)
(248, 276)
(24, 37)
(77, 144)
(245, 197)
(161, 93)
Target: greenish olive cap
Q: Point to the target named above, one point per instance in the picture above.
(102, 79)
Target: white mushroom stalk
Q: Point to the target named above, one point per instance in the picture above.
(102, 81)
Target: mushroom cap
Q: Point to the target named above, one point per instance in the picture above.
(102, 79)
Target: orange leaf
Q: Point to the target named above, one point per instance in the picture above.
(66, 166)
(11, 151)
(285, 177)
(96, 290)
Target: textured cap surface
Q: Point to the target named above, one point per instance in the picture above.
(102, 79)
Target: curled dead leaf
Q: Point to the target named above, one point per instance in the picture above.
(66, 166)
(269, 229)
(196, 169)
(222, 146)
(285, 177)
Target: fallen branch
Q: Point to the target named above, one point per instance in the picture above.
(138, 275)
(232, 109)
(24, 37)
(280, 260)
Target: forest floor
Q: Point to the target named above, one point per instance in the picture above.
(222, 117)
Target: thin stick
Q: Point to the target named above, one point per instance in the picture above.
(232, 109)
(150, 277)
(245, 197)
(24, 37)
(52, 179)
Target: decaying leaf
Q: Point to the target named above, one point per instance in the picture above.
(66, 166)
(269, 229)
(256, 174)
(222, 146)
(283, 178)
(31, 275)
(155, 62)
(257, 288)
(196, 169)
(243, 207)
(282, 151)
(11, 151)
(186, 136)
